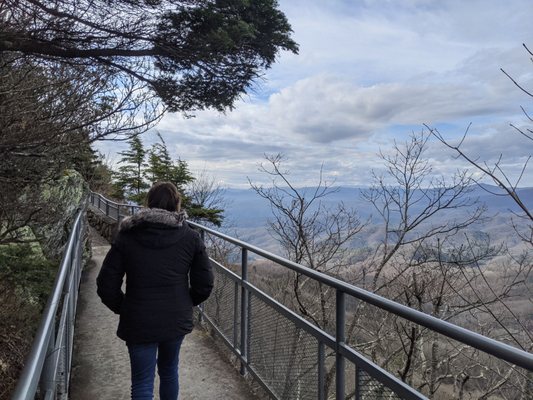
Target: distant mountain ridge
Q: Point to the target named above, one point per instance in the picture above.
(247, 209)
(247, 213)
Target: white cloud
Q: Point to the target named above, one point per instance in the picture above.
(369, 72)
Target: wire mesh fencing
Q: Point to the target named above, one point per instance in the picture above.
(223, 307)
(284, 355)
(362, 386)
(288, 356)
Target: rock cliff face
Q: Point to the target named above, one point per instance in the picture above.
(63, 198)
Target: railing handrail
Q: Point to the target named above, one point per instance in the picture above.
(29, 378)
(111, 201)
(490, 346)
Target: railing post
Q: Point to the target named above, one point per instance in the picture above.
(244, 311)
(357, 392)
(65, 350)
(248, 323)
(321, 371)
(235, 313)
(340, 338)
(201, 306)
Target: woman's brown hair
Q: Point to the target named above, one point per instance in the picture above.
(164, 195)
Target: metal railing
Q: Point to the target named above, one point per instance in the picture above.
(255, 327)
(364, 368)
(47, 367)
(112, 209)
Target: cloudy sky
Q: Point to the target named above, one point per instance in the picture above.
(368, 73)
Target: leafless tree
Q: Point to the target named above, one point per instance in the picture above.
(516, 326)
(206, 191)
(408, 198)
(48, 119)
(311, 234)
(308, 231)
(496, 172)
(429, 258)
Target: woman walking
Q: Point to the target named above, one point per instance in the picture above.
(167, 272)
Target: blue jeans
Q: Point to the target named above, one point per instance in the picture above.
(143, 359)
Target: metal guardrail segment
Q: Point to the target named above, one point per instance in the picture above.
(480, 342)
(242, 299)
(47, 367)
(323, 339)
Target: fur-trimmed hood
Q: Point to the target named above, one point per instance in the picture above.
(155, 227)
(153, 216)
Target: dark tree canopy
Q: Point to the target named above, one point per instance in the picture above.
(194, 54)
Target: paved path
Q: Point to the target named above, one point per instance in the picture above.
(101, 365)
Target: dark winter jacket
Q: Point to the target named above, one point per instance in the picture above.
(167, 272)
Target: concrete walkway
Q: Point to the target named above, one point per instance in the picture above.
(101, 364)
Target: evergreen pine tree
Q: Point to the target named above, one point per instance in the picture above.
(159, 162)
(131, 175)
(180, 175)
(161, 168)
